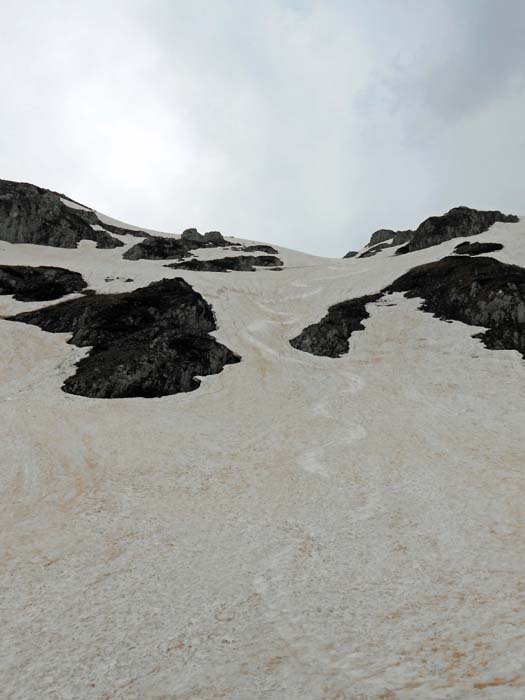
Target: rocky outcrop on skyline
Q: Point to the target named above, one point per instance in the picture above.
(30, 214)
(459, 222)
(456, 223)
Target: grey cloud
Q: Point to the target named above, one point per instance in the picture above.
(307, 124)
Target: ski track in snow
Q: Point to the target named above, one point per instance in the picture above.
(299, 527)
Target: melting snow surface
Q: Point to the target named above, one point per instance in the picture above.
(298, 528)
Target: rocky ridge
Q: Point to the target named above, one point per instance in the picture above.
(30, 214)
(459, 222)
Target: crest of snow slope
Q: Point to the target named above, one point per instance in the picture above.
(298, 527)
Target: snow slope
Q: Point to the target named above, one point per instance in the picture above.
(299, 527)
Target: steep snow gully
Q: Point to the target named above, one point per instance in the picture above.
(344, 527)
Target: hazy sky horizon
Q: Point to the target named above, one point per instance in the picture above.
(308, 124)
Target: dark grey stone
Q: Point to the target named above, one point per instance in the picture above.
(476, 291)
(240, 263)
(259, 247)
(457, 223)
(27, 283)
(385, 234)
(329, 337)
(30, 214)
(153, 341)
(164, 248)
(468, 248)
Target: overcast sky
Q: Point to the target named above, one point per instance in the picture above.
(304, 123)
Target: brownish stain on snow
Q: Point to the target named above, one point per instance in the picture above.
(516, 681)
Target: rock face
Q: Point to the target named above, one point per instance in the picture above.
(240, 263)
(161, 248)
(468, 248)
(381, 239)
(351, 254)
(329, 337)
(476, 291)
(27, 283)
(394, 237)
(30, 214)
(150, 342)
(457, 223)
(213, 238)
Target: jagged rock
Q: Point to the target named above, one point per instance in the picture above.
(260, 247)
(191, 234)
(240, 263)
(30, 214)
(212, 237)
(476, 291)
(329, 337)
(457, 223)
(394, 237)
(153, 341)
(468, 248)
(27, 283)
(351, 254)
(216, 238)
(383, 238)
(161, 248)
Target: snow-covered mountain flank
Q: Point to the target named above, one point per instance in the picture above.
(234, 470)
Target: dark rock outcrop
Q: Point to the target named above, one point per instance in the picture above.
(240, 263)
(213, 238)
(30, 214)
(457, 223)
(153, 341)
(476, 291)
(351, 254)
(393, 237)
(259, 247)
(468, 248)
(381, 239)
(161, 248)
(27, 283)
(329, 337)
